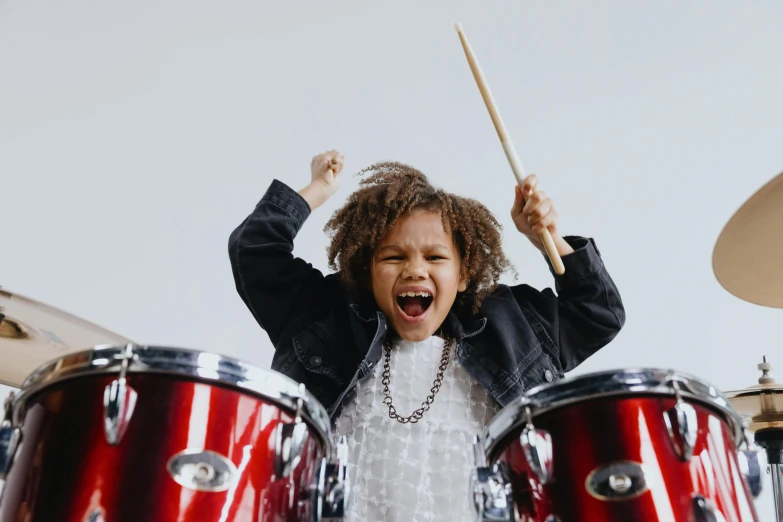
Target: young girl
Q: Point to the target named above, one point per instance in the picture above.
(412, 344)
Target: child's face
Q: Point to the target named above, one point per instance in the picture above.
(417, 256)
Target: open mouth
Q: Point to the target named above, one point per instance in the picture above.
(414, 304)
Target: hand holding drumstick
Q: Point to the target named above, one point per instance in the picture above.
(550, 246)
(533, 213)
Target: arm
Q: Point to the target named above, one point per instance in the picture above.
(274, 285)
(277, 287)
(586, 313)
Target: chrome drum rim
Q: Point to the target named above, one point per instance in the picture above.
(195, 365)
(612, 383)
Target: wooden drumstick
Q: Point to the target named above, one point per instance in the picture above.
(508, 147)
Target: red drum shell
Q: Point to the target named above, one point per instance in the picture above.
(65, 470)
(596, 432)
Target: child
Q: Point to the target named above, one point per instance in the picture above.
(413, 344)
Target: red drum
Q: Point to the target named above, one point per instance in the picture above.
(143, 433)
(629, 445)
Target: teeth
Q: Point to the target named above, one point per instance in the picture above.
(414, 294)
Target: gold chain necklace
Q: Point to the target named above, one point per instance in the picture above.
(414, 417)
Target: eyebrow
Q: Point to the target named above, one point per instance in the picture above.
(397, 247)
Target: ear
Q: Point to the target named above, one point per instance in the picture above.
(463, 284)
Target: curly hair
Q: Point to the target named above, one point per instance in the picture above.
(395, 190)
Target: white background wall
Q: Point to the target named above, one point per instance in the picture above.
(134, 137)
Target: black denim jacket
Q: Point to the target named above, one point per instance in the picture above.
(521, 337)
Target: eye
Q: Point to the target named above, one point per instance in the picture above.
(392, 258)
(435, 258)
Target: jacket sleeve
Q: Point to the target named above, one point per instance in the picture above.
(276, 287)
(587, 311)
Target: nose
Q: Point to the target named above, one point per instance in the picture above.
(414, 271)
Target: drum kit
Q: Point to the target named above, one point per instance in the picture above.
(121, 431)
(103, 429)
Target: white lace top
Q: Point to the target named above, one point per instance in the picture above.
(413, 472)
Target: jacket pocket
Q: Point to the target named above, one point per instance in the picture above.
(541, 370)
(544, 340)
(538, 370)
(316, 351)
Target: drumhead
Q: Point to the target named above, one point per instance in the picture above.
(611, 383)
(200, 366)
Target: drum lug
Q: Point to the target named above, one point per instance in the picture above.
(537, 446)
(9, 439)
(705, 511)
(682, 424)
(490, 489)
(750, 465)
(97, 515)
(9, 443)
(334, 491)
(119, 400)
(290, 440)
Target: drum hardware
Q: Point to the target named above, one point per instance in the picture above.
(333, 490)
(623, 465)
(705, 511)
(537, 445)
(6, 429)
(179, 384)
(6, 432)
(765, 368)
(750, 463)
(10, 437)
(202, 471)
(683, 437)
(490, 488)
(333, 486)
(119, 400)
(746, 257)
(771, 439)
(617, 481)
(97, 515)
(750, 466)
(290, 440)
(746, 263)
(762, 405)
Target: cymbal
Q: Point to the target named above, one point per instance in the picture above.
(748, 256)
(762, 404)
(32, 333)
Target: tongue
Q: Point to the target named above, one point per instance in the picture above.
(413, 306)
